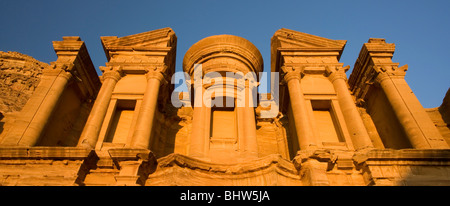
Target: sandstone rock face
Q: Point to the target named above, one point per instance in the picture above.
(19, 76)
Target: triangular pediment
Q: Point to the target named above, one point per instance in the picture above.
(286, 38)
(157, 38)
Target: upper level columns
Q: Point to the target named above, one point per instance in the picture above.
(379, 81)
(302, 60)
(357, 129)
(72, 73)
(144, 124)
(94, 123)
(146, 60)
(303, 127)
(199, 139)
(417, 125)
(222, 132)
(36, 126)
(249, 124)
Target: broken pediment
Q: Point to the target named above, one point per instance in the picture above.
(289, 46)
(156, 40)
(290, 39)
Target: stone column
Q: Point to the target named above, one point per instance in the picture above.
(413, 132)
(144, 123)
(250, 142)
(198, 141)
(355, 124)
(305, 133)
(42, 116)
(240, 117)
(89, 136)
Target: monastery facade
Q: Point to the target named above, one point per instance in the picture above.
(129, 126)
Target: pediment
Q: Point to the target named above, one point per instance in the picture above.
(152, 39)
(286, 38)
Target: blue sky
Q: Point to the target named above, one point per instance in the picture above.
(420, 29)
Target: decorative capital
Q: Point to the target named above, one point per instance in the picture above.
(66, 66)
(156, 75)
(335, 73)
(381, 76)
(292, 75)
(112, 72)
(385, 72)
(65, 74)
(63, 70)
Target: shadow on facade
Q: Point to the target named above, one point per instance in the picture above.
(1, 123)
(169, 124)
(444, 109)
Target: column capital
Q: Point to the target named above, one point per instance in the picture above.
(381, 76)
(156, 75)
(116, 75)
(57, 68)
(112, 72)
(66, 75)
(66, 66)
(292, 75)
(335, 73)
(384, 72)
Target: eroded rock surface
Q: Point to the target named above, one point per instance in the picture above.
(19, 76)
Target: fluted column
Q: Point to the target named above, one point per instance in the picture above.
(144, 123)
(355, 124)
(43, 114)
(89, 136)
(198, 141)
(404, 115)
(305, 133)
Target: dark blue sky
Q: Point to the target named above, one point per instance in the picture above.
(420, 29)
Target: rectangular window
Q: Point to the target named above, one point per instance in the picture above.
(120, 127)
(325, 121)
(223, 123)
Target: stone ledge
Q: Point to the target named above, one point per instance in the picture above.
(375, 156)
(43, 153)
(126, 154)
(410, 154)
(237, 168)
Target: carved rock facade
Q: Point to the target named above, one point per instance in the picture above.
(121, 128)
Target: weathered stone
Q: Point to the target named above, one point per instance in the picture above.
(20, 75)
(61, 124)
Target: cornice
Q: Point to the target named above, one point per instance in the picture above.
(44, 153)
